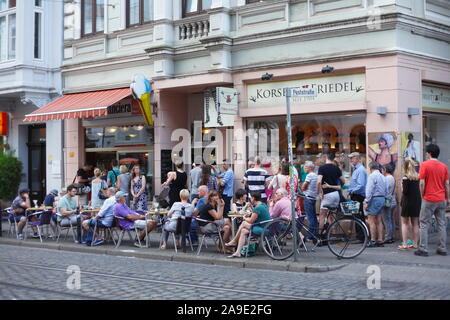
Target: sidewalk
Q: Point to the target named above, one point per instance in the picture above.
(321, 260)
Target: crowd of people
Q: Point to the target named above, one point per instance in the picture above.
(209, 199)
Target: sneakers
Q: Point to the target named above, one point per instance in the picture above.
(421, 253)
(35, 235)
(136, 244)
(441, 253)
(20, 236)
(379, 244)
(98, 242)
(371, 244)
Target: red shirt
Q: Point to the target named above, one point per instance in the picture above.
(435, 173)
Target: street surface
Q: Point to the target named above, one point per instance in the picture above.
(35, 273)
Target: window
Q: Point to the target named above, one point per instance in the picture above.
(37, 35)
(191, 7)
(7, 4)
(7, 34)
(139, 12)
(252, 1)
(92, 16)
(38, 3)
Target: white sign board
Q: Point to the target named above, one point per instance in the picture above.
(300, 92)
(213, 118)
(329, 89)
(228, 100)
(434, 98)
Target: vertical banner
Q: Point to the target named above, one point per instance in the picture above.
(141, 90)
(411, 146)
(383, 148)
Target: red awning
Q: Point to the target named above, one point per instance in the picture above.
(79, 105)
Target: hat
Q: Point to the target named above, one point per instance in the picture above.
(54, 191)
(121, 194)
(389, 138)
(354, 154)
(24, 190)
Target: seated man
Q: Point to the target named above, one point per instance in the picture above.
(199, 202)
(67, 211)
(131, 218)
(50, 201)
(19, 206)
(104, 218)
(282, 206)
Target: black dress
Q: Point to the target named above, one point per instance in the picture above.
(411, 199)
(176, 186)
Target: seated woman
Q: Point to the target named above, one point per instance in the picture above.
(213, 211)
(260, 213)
(240, 204)
(176, 212)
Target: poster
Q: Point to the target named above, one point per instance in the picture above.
(212, 117)
(383, 148)
(411, 146)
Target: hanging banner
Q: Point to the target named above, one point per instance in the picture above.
(141, 90)
(228, 100)
(3, 123)
(213, 117)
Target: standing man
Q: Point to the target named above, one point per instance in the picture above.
(194, 176)
(83, 179)
(113, 174)
(357, 187)
(374, 204)
(329, 182)
(435, 192)
(227, 183)
(256, 179)
(309, 188)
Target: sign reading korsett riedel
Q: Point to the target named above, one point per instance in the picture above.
(329, 89)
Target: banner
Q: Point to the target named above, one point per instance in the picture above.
(141, 90)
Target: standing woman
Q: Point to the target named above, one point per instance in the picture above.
(123, 182)
(388, 211)
(176, 180)
(138, 192)
(411, 204)
(97, 185)
(206, 179)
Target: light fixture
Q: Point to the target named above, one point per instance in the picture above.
(100, 134)
(382, 111)
(138, 128)
(133, 135)
(125, 129)
(206, 131)
(112, 129)
(266, 77)
(327, 69)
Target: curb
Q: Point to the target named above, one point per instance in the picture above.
(180, 257)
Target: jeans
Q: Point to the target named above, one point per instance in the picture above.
(227, 207)
(427, 211)
(193, 233)
(310, 209)
(389, 223)
(359, 198)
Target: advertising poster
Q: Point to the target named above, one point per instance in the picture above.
(411, 146)
(383, 148)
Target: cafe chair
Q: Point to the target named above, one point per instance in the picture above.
(106, 231)
(187, 229)
(128, 231)
(12, 231)
(255, 237)
(66, 224)
(216, 236)
(43, 219)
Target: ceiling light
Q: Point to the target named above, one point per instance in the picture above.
(138, 128)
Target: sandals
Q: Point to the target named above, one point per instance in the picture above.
(412, 245)
(233, 256)
(402, 247)
(230, 245)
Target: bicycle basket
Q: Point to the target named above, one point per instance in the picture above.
(350, 207)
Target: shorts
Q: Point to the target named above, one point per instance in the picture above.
(376, 206)
(140, 224)
(97, 222)
(211, 228)
(330, 200)
(72, 220)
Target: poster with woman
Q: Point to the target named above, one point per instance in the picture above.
(411, 145)
(383, 148)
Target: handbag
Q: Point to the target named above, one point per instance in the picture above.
(101, 194)
(251, 248)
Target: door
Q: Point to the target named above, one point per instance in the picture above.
(37, 171)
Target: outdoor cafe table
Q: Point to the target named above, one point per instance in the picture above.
(233, 217)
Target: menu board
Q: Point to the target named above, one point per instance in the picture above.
(166, 164)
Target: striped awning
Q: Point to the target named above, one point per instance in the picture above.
(84, 105)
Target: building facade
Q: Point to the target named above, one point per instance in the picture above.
(387, 96)
(31, 40)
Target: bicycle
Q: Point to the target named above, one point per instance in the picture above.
(340, 235)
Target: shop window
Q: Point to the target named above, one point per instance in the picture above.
(436, 129)
(92, 16)
(117, 137)
(192, 7)
(139, 12)
(312, 138)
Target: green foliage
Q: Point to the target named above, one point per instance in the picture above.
(10, 176)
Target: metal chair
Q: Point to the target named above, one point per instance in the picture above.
(106, 230)
(123, 231)
(44, 218)
(12, 224)
(187, 222)
(255, 237)
(69, 228)
(216, 236)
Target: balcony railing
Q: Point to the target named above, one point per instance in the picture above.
(193, 28)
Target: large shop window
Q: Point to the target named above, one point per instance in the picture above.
(139, 12)
(312, 137)
(119, 137)
(436, 129)
(92, 16)
(191, 7)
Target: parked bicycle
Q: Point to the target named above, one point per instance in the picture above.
(340, 234)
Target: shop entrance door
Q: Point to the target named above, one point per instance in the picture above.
(36, 162)
(145, 161)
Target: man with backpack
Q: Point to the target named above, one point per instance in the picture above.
(113, 174)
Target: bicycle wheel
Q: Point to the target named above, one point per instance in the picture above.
(342, 238)
(277, 239)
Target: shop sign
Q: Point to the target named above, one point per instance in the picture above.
(329, 89)
(3, 124)
(124, 107)
(213, 116)
(434, 98)
(227, 99)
